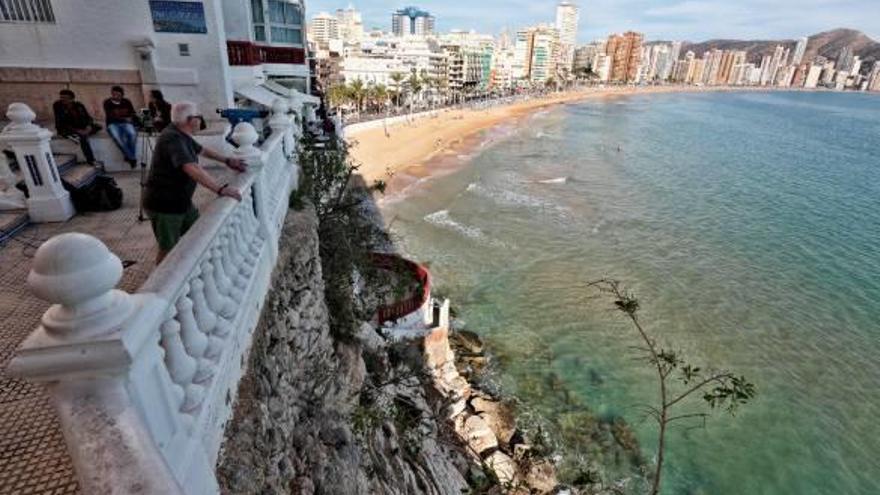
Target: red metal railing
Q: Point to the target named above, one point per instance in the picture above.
(399, 309)
(247, 53)
(242, 53)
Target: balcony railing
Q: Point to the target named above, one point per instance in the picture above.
(247, 53)
(417, 300)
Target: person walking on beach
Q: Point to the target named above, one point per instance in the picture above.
(174, 173)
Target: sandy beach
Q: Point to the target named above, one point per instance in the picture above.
(407, 147)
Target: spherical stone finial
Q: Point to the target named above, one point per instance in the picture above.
(73, 268)
(245, 135)
(78, 273)
(280, 107)
(21, 116)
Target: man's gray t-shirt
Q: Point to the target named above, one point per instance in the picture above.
(169, 189)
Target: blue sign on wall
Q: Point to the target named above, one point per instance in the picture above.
(178, 17)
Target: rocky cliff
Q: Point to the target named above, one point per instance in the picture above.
(310, 416)
(363, 415)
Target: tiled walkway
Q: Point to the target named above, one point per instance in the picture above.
(33, 456)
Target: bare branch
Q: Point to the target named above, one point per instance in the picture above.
(714, 378)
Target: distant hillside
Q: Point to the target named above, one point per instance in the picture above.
(828, 44)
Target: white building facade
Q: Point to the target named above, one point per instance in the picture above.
(567, 18)
(194, 50)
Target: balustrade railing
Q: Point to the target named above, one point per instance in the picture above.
(248, 53)
(145, 382)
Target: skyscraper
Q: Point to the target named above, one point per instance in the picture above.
(625, 51)
(412, 21)
(323, 28)
(799, 51)
(567, 18)
(545, 46)
(351, 25)
(522, 53)
(845, 59)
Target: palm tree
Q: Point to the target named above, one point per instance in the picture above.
(378, 96)
(358, 93)
(338, 95)
(415, 87)
(397, 78)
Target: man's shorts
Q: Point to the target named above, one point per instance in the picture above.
(170, 227)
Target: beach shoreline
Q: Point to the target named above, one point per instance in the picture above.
(406, 151)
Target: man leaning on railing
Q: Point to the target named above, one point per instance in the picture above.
(174, 173)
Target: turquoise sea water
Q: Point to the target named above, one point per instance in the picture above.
(749, 226)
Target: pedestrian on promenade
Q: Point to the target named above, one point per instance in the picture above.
(120, 116)
(73, 122)
(174, 173)
(160, 110)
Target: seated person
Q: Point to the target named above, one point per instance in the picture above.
(121, 116)
(73, 121)
(160, 110)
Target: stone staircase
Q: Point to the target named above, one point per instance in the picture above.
(77, 175)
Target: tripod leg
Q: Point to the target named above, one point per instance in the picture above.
(145, 144)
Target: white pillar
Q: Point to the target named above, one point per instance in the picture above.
(298, 111)
(47, 201)
(245, 136)
(281, 122)
(84, 350)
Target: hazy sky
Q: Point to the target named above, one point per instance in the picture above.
(692, 20)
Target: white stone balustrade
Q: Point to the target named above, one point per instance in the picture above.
(145, 382)
(48, 201)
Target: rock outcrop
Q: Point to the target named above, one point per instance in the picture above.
(485, 424)
(313, 416)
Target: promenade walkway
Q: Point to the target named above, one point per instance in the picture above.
(33, 456)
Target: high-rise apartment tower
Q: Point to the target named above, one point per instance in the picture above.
(567, 18)
(412, 21)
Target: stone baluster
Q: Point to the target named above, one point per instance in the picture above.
(231, 260)
(181, 366)
(205, 318)
(194, 341)
(222, 305)
(86, 350)
(220, 255)
(281, 122)
(48, 201)
(244, 235)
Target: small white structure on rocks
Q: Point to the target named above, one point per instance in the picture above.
(48, 201)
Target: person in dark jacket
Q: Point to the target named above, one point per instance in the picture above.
(120, 115)
(73, 121)
(160, 110)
